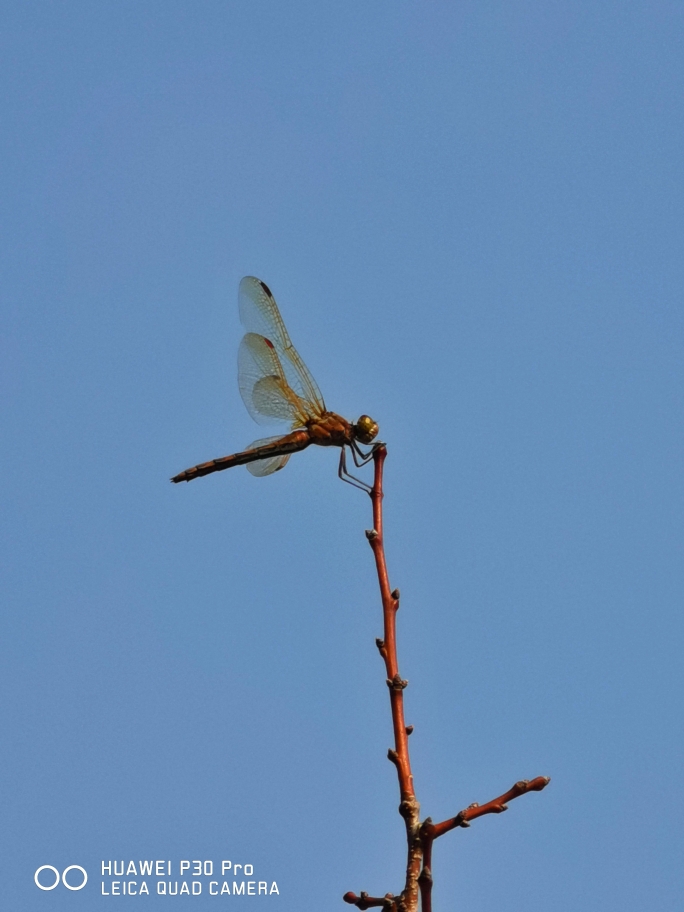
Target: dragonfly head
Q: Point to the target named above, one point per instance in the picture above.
(365, 429)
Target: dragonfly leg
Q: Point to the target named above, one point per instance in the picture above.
(346, 476)
(358, 454)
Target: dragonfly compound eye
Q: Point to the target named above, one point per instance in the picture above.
(366, 429)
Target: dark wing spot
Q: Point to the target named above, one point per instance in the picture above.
(268, 342)
(266, 288)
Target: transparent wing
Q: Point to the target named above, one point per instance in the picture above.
(259, 314)
(261, 467)
(264, 387)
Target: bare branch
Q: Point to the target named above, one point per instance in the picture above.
(388, 645)
(495, 806)
(399, 754)
(367, 902)
(418, 885)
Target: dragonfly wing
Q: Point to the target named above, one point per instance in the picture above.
(264, 387)
(261, 467)
(259, 314)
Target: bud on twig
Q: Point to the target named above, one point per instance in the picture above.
(397, 682)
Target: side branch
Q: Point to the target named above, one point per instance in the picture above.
(430, 831)
(368, 902)
(495, 806)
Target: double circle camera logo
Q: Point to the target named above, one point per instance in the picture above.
(58, 877)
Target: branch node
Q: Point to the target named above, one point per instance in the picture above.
(371, 534)
(408, 808)
(425, 876)
(409, 729)
(393, 756)
(381, 645)
(395, 595)
(397, 682)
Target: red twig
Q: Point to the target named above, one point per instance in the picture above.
(388, 645)
(495, 806)
(425, 879)
(367, 902)
(419, 837)
(409, 807)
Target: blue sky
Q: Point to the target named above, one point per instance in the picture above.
(470, 215)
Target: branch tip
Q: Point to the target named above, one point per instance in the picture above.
(537, 784)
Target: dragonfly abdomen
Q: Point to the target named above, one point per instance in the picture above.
(290, 443)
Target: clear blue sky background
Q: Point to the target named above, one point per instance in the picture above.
(470, 214)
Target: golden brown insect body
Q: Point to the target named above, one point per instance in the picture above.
(276, 385)
(328, 430)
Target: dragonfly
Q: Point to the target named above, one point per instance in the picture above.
(276, 386)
